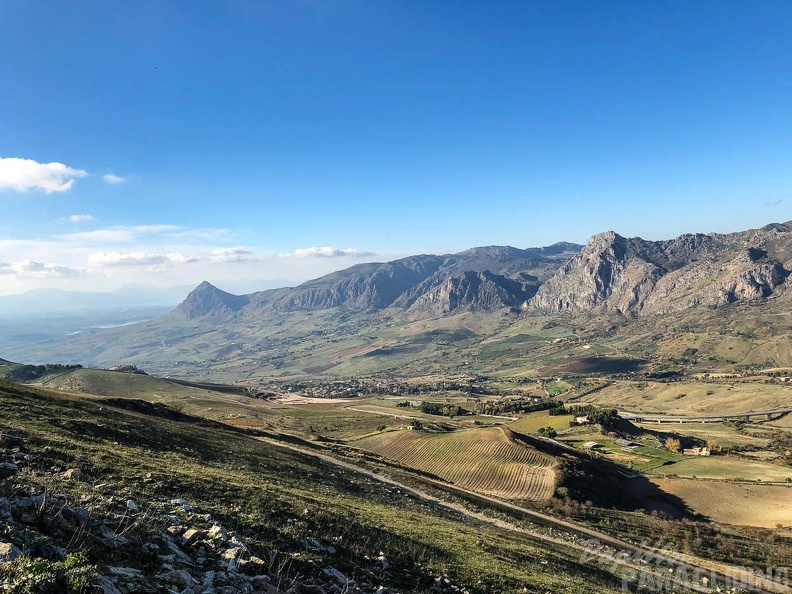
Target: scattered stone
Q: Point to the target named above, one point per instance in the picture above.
(74, 474)
(336, 575)
(5, 509)
(193, 535)
(180, 578)
(8, 553)
(219, 533)
(232, 553)
(127, 573)
(29, 502)
(8, 469)
(178, 553)
(10, 440)
(106, 585)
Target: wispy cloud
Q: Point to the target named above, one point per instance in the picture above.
(33, 269)
(231, 254)
(79, 218)
(113, 179)
(326, 252)
(27, 175)
(111, 259)
(117, 234)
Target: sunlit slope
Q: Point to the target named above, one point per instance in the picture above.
(487, 460)
(276, 498)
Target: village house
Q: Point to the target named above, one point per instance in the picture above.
(704, 451)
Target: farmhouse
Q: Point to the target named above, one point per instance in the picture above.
(696, 451)
(582, 420)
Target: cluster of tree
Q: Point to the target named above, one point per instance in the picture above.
(514, 405)
(26, 373)
(438, 408)
(596, 415)
(547, 432)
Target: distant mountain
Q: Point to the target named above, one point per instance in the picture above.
(45, 302)
(476, 291)
(400, 284)
(634, 276)
(206, 300)
(480, 278)
(492, 305)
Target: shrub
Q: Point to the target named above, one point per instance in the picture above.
(27, 575)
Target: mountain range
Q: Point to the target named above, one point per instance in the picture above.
(483, 294)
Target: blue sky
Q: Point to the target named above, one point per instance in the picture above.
(239, 135)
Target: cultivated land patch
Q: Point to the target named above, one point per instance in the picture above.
(723, 468)
(692, 398)
(487, 460)
(732, 503)
(722, 434)
(532, 422)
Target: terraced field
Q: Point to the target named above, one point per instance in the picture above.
(487, 460)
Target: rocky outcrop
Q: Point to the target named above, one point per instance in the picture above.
(474, 291)
(634, 276)
(611, 272)
(207, 301)
(362, 287)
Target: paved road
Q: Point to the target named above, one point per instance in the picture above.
(652, 418)
(617, 552)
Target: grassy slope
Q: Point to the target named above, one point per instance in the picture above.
(277, 497)
(692, 397)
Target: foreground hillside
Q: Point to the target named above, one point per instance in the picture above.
(137, 497)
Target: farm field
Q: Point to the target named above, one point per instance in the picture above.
(721, 433)
(532, 422)
(764, 506)
(721, 467)
(691, 398)
(486, 460)
(784, 422)
(647, 456)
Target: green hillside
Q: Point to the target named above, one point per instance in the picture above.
(276, 499)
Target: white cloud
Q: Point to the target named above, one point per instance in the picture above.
(79, 218)
(26, 175)
(113, 179)
(33, 269)
(326, 252)
(112, 235)
(110, 259)
(232, 254)
(119, 233)
(154, 228)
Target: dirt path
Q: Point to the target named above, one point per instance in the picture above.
(292, 398)
(625, 555)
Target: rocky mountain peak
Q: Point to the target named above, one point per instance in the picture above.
(207, 300)
(634, 276)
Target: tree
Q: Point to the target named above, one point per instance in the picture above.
(672, 444)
